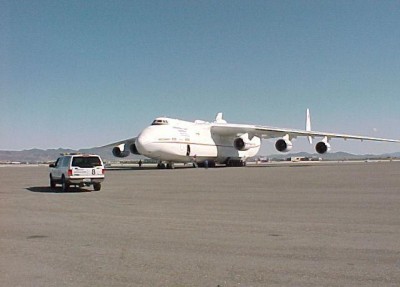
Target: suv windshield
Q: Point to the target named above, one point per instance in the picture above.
(86, 161)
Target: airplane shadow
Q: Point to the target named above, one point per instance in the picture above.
(127, 168)
(48, 189)
(131, 168)
(119, 168)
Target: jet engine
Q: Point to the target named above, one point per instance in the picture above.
(243, 142)
(322, 147)
(133, 149)
(119, 151)
(283, 145)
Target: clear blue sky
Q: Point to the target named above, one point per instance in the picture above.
(79, 74)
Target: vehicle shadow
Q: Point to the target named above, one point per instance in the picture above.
(48, 189)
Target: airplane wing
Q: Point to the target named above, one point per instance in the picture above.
(123, 148)
(266, 132)
(127, 142)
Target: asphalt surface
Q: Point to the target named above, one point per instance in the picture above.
(289, 225)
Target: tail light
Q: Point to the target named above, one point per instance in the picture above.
(69, 172)
(103, 171)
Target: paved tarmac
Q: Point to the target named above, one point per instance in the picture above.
(283, 225)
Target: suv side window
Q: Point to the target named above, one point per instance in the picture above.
(62, 162)
(65, 162)
(57, 163)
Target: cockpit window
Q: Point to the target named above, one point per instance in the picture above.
(158, 122)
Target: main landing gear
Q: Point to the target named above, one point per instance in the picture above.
(169, 165)
(205, 164)
(235, 163)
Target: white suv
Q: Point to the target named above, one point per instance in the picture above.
(77, 169)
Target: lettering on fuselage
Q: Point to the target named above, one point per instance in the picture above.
(182, 131)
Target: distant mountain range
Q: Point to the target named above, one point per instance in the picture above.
(39, 155)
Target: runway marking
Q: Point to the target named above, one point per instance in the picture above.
(37, 236)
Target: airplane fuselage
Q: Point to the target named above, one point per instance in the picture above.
(173, 140)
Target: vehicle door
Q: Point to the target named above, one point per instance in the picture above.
(56, 170)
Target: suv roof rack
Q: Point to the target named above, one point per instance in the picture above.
(70, 153)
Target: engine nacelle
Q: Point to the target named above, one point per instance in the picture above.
(119, 151)
(133, 149)
(243, 142)
(283, 145)
(322, 147)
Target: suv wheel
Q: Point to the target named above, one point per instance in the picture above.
(64, 184)
(97, 186)
(52, 183)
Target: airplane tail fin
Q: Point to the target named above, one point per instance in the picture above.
(219, 119)
(308, 125)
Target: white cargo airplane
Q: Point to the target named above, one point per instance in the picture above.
(172, 141)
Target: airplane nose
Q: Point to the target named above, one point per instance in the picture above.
(141, 143)
(145, 143)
